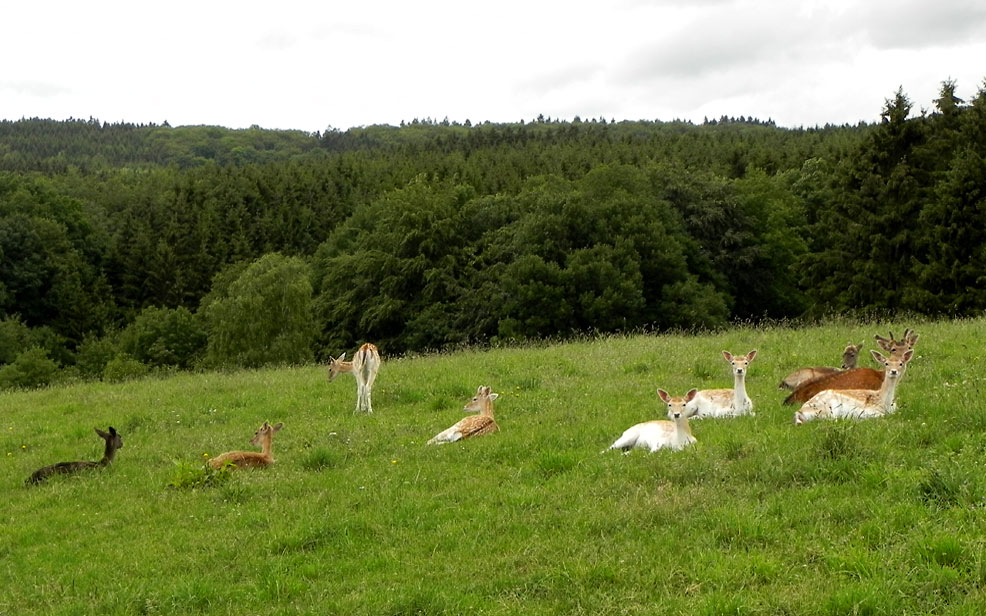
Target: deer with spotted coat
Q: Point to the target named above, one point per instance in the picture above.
(473, 425)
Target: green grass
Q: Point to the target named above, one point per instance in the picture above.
(358, 516)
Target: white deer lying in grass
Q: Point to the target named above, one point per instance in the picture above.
(858, 403)
(675, 434)
(474, 425)
(726, 402)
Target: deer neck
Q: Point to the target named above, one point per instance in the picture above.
(682, 430)
(740, 398)
(108, 454)
(885, 395)
(487, 409)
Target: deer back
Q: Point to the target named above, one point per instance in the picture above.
(857, 378)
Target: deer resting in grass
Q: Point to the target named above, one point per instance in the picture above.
(473, 425)
(113, 442)
(799, 377)
(365, 365)
(858, 378)
(858, 403)
(726, 402)
(674, 434)
(263, 438)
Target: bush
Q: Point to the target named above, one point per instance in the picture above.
(164, 337)
(31, 369)
(94, 354)
(123, 368)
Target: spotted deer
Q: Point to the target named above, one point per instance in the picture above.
(858, 403)
(726, 402)
(473, 425)
(113, 442)
(365, 365)
(262, 438)
(674, 433)
(850, 356)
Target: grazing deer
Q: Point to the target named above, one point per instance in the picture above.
(113, 442)
(858, 378)
(474, 425)
(263, 438)
(799, 377)
(365, 365)
(675, 434)
(858, 403)
(726, 402)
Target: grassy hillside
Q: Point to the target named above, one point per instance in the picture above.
(358, 516)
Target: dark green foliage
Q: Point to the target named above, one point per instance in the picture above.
(164, 337)
(30, 369)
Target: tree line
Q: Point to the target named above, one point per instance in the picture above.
(128, 248)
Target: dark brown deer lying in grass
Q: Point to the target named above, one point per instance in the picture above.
(113, 442)
(859, 378)
(799, 377)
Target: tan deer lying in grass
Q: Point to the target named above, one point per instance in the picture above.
(858, 403)
(365, 365)
(858, 378)
(263, 438)
(113, 442)
(799, 377)
(726, 402)
(675, 434)
(474, 425)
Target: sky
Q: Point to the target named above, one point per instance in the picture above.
(314, 66)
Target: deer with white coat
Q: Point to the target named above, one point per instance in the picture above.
(726, 402)
(859, 403)
(365, 365)
(674, 433)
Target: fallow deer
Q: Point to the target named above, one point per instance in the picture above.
(365, 365)
(675, 434)
(113, 442)
(726, 402)
(262, 438)
(858, 403)
(799, 377)
(474, 425)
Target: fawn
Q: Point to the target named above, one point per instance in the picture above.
(799, 377)
(474, 425)
(675, 434)
(365, 365)
(726, 402)
(263, 438)
(858, 403)
(113, 442)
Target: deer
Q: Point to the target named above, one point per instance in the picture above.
(263, 438)
(858, 403)
(365, 365)
(113, 442)
(857, 378)
(674, 434)
(726, 402)
(473, 425)
(799, 377)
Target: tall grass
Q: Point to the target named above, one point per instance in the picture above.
(358, 516)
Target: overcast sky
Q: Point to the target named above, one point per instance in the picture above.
(287, 64)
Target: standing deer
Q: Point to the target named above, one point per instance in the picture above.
(858, 403)
(858, 378)
(799, 377)
(365, 365)
(113, 442)
(726, 402)
(675, 434)
(262, 438)
(474, 425)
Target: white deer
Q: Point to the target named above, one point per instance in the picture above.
(675, 434)
(726, 402)
(858, 403)
(365, 365)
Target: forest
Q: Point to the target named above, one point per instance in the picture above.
(126, 248)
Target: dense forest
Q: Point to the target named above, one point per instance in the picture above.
(126, 248)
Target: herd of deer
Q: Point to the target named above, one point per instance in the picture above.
(848, 392)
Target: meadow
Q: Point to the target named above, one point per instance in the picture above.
(358, 516)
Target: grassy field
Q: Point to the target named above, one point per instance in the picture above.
(358, 516)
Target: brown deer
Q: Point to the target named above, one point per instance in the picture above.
(365, 365)
(858, 403)
(858, 378)
(474, 425)
(113, 442)
(674, 434)
(799, 377)
(263, 438)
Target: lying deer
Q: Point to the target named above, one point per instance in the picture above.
(858, 403)
(474, 425)
(113, 442)
(726, 402)
(675, 434)
(805, 375)
(263, 438)
(858, 378)
(365, 365)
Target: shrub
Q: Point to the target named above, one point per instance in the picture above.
(164, 337)
(123, 368)
(31, 369)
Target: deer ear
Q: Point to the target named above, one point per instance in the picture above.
(691, 395)
(663, 395)
(494, 397)
(751, 355)
(278, 426)
(727, 355)
(880, 359)
(907, 356)
(102, 434)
